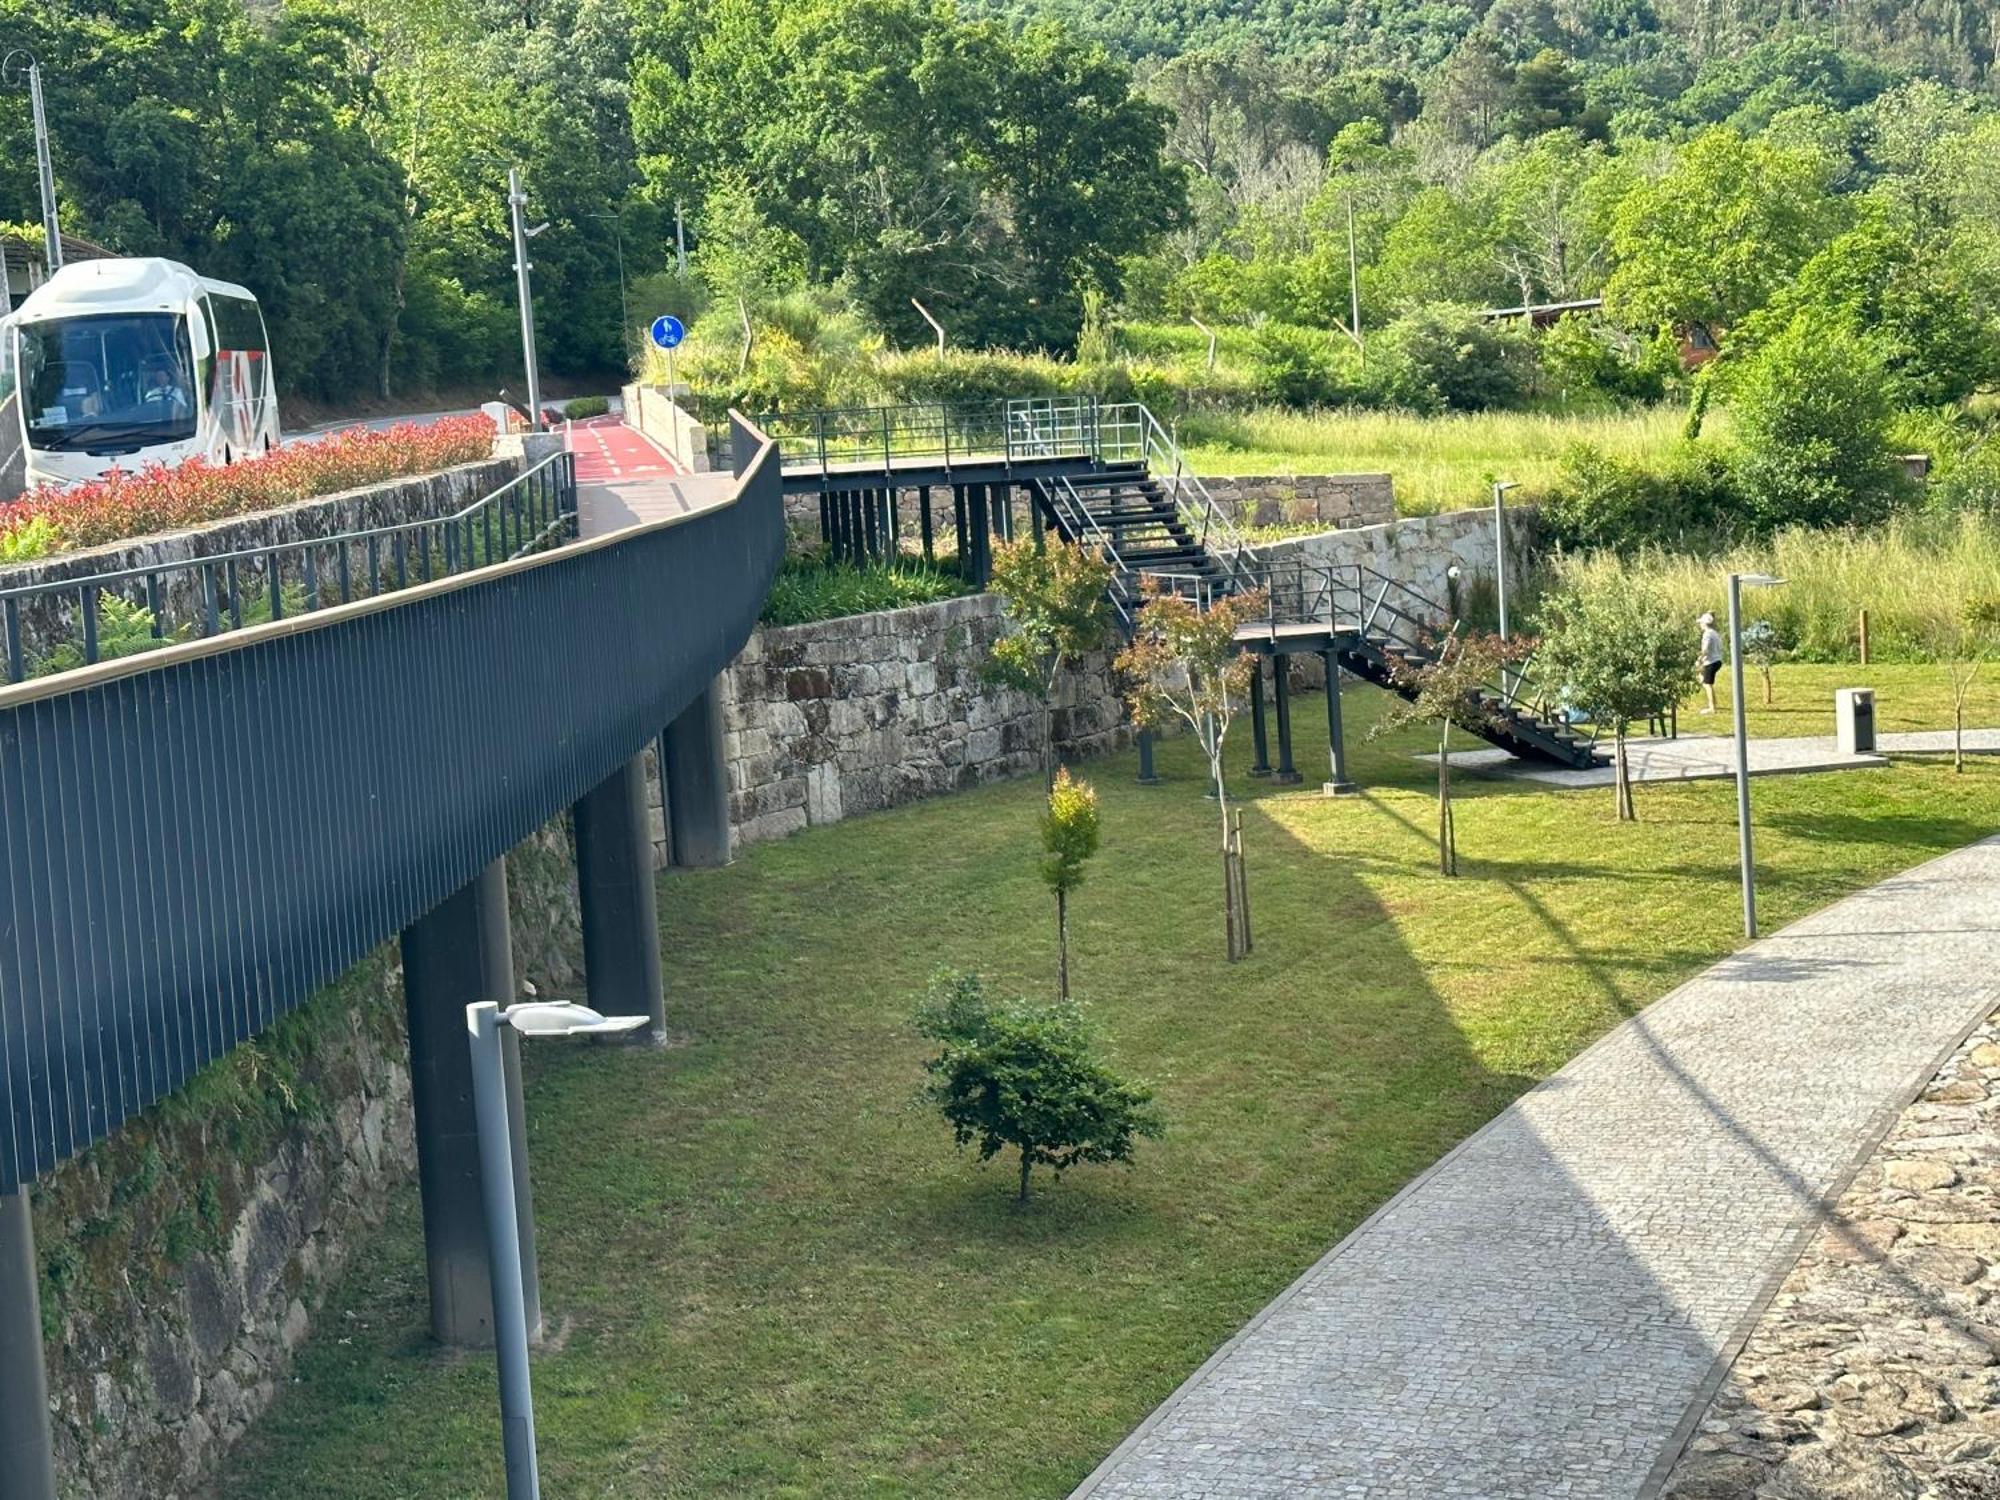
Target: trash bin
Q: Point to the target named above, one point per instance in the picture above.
(1854, 720)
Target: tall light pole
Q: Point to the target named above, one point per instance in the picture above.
(503, 1234)
(624, 307)
(51, 229)
(1500, 488)
(1737, 583)
(517, 203)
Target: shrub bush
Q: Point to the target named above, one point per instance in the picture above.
(585, 407)
(1599, 499)
(1813, 422)
(159, 498)
(1584, 361)
(809, 587)
(1304, 367)
(1444, 357)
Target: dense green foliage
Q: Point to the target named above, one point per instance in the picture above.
(811, 587)
(1027, 1078)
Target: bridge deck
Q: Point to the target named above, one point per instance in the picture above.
(808, 476)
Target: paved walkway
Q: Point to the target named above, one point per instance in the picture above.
(1709, 757)
(1547, 1310)
(624, 478)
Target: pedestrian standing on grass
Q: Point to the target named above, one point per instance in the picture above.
(1709, 660)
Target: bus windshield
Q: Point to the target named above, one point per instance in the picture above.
(111, 383)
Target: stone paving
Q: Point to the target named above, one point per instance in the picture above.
(1548, 1311)
(1709, 757)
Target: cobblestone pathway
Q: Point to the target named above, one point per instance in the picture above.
(1548, 1312)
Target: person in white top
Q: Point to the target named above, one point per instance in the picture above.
(1710, 658)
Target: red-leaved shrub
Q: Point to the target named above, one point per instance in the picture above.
(158, 498)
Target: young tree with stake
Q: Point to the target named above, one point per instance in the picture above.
(1961, 635)
(1055, 598)
(1184, 663)
(1613, 649)
(1069, 839)
(1459, 687)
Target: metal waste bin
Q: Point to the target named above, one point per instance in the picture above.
(1854, 720)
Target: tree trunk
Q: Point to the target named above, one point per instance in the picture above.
(1621, 776)
(1958, 734)
(1027, 1165)
(1062, 946)
(1767, 685)
(1447, 841)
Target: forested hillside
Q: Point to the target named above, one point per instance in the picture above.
(1040, 174)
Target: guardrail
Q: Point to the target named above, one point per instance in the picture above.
(171, 882)
(74, 622)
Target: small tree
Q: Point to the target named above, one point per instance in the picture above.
(1613, 649)
(1055, 597)
(1458, 687)
(1184, 664)
(1069, 839)
(1761, 646)
(1027, 1077)
(1962, 636)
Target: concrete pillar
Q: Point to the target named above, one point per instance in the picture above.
(1287, 774)
(614, 879)
(27, 1455)
(460, 953)
(696, 780)
(1336, 745)
(1260, 736)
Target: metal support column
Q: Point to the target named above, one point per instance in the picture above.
(1260, 736)
(826, 521)
(695, 779)
(1003, 512)
(459, 954)
(1147, 775)
(961, 517)
(981, 526)
(870, 505)
(27, 1454)
(1336, 743)
(614, 878)
(924, 523)
(1287, 774)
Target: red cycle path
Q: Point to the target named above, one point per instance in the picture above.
(609, 452)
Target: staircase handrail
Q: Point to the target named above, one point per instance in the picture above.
(1215, 532)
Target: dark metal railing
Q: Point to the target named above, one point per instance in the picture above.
(877, 438)
(169, 886)
(61, 624)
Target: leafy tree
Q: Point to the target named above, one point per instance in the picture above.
(1069, 839)
(1547, 94)
(1056, 605)
(1761, 645)
(1184, 663)
(1027, 1078)
(1445, 357)
(1460, 686)
(1611, 648)
(1812, 418)
(1719, 233)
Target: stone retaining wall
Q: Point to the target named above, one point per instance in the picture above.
(827, 720)
(186, 1258)
(1302, 499)
(1421, 552)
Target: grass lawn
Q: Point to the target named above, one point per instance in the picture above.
(769, 1275)
(1438, 463)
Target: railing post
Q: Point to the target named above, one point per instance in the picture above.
(87, 602)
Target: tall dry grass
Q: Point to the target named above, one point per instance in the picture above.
(1917, 576)
(1438, 463)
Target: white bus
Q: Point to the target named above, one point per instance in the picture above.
(128, 362)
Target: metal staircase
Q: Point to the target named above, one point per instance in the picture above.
(1147, 513)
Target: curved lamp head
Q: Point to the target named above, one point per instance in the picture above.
(562, 1018)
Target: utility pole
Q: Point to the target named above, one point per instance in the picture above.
(51, 229)
(1353, 279)
(624, 307)
(517, 202)
(680, 240)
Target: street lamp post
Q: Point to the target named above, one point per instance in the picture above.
(1500, 488)
(51, 228)
(503, 1238)
(1737, 583)
(517, 203)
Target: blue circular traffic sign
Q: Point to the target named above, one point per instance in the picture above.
(668, 331)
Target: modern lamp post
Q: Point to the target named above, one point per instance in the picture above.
(503, 1238)
(517, 203)
(1737, 583)
(45, 173)
(624, 307)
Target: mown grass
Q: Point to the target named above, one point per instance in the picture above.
(769, 1275)
(1438, 463)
